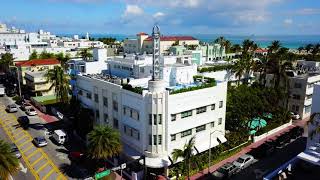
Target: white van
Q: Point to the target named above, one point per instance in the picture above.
(59, 136)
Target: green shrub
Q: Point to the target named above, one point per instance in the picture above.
(128, 87)
(215, 68)
(210, 83)
(16, 98)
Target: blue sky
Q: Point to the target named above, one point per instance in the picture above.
(237, 17)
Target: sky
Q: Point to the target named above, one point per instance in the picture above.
(236, 17)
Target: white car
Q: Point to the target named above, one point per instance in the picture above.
(244, 161)
(31, 112)
(11, 108)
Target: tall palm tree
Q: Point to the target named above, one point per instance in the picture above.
(186, 153)
(63, 60)
(60, 82)
(236, 48)
(227, 45)
(104, 142)
(9, 164)
(220, 40)
(6, 61)
(313, 120)
(274, 47)
(85, 54)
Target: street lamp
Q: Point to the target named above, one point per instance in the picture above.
(209, 163)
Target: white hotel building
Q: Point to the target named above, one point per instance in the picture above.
(156, 121)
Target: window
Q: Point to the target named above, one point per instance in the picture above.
(201, 128)
(96, 98)
(309, 96)
(160, 139)
(105, 101)
(213, 106)
(115, 123)
(150, 139)
(155, 119)
(160, 118)
(296, 96)
(173, 117)
(212, 124)
(124, 110)
(295, 108)
(186, 133)
(307, 109)
(219, 121)
(154, 139)
(220, 104)
(135, 134)
(115, 105)
(186, 114)
(142, 70)
(97, 114)
(88, 95)
(106, 118)
(297, 85)
(201, 109)
(150, 119)
(173, 137)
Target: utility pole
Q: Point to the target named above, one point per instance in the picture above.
(145, 168)
(18, 82)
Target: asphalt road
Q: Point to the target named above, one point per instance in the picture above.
(20, 175)
(57, 154)
(267, 164)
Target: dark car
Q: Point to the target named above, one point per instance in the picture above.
(225, 171)
(25, 106)
(24, 122)
(263, 150)
(283, 140)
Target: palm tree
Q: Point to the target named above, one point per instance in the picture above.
(6, 61)
(104, 142)
(63, 60)
(85, 54)
(300, 49)
(60, 82)
(313, 120)
(186, 153)
(236, 48)
(274, 47)
(220, 40)
(9, 164)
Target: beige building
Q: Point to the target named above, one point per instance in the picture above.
(143, 43)
(38, 83)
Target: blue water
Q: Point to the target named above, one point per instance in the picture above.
(289, 41)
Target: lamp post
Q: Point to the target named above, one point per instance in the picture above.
(209, 161)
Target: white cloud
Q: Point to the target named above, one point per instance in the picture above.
(307, 11)
(158, 15)
(287, 22)
(132, 10)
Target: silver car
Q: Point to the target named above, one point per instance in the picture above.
(40, 141)
(11, 108)
(244, 161)
(15, 151)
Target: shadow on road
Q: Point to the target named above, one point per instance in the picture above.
(36, 126)
(73, 171)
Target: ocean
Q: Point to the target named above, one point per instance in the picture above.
(289, 41)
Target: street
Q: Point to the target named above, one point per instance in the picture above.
(49, 162)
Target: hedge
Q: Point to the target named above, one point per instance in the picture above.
(215, 68)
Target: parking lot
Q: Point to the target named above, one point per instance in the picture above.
(35, 158)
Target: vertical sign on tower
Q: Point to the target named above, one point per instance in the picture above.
(156, 53)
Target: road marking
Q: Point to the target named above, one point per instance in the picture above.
(36, 161)
(27, 149)
(19, 133)
(20, 138)
(22, 144)
(43, 166)
(48, 174)
(33, 153)
(22, 168)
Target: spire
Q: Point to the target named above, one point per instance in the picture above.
(156, 53)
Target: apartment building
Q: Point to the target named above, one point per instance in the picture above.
(154, 120)
(35, 65)
(38, 84)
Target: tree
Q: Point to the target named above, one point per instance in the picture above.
(104, 142)
(227, 46)
(308, 47)
(60, 82)
(9, 164)
(300, 49)
(33, 55)
(63, 60)
(315, 50)
(187, 154)
(236, 48)
(176, 43)
(274, 47)
(46, 55)
(85, 54)
(6, 61)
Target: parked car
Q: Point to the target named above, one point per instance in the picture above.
(40, 141)
(76, 156)
(294, 116)
(282, 140)
(2, 90)
(263, 150)
(25, 106)
(244, 161)
(31, 112)
(47, 132)
(11, 108)
(11, 92)
(226, 171)
(15, 151)
(24, 122)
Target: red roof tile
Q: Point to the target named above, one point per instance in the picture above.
(173, 38)
(261, 50)
(38, 62)
(142, 33)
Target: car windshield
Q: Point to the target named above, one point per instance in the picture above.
(12, 106)
(41, 139)
(31, 109)
(222, 170)
(240, 160)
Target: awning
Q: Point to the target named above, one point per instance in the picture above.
(214, 142)
(221, 138)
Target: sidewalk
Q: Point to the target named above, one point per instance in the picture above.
(201, 174)
(46, 117)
